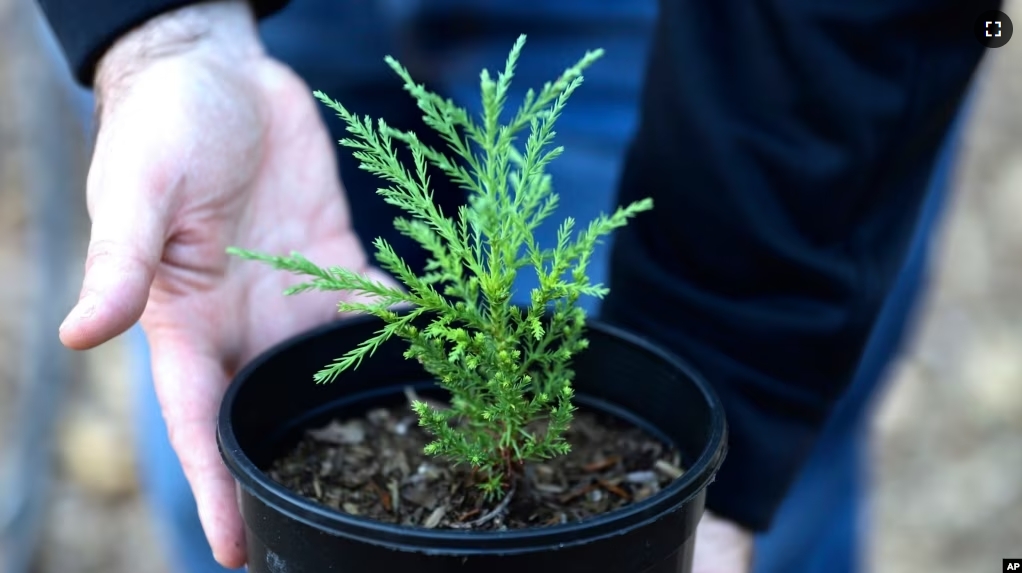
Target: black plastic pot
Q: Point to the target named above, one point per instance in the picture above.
(273, 400)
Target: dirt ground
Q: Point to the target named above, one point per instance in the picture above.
(947, 440)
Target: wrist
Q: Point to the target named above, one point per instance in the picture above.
(222, 30)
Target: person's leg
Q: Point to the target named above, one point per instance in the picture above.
(820, 526)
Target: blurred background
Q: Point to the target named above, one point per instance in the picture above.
(947, 437)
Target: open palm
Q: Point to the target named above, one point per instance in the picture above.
(196, 156)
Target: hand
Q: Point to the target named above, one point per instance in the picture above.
(204, 143)
(722, 547)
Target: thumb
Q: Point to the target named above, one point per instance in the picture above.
(125, 247)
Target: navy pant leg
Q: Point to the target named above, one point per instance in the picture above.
(822, 525)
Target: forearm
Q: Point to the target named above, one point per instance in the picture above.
(787, 159)
(87, 30)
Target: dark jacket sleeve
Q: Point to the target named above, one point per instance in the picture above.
(787, 147)
(85, 29)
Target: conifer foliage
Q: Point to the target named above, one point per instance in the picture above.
(506, 367)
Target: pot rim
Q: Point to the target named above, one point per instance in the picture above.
(695, 479)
